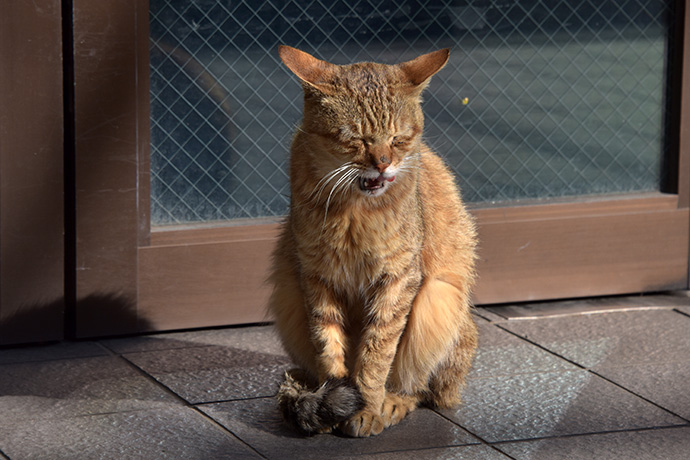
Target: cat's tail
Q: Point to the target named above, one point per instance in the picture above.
(315, 411)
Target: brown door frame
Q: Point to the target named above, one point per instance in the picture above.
(132, 278)
(31, 181)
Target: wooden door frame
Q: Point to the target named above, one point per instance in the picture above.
(31, 181)
(131, 278)
(111, 123)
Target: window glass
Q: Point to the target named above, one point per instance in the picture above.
(540, 99)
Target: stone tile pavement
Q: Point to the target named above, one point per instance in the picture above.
(587, 379)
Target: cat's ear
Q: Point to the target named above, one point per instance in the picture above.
(314, 72)
(419, 70)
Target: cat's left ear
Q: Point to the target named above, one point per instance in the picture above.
(419, 70)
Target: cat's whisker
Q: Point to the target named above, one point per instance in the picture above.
(327, 178)
(321, 185)
(340, 168)
(408, 168)
(315, 196)
(318, 188)
(408, 165)
(342, 183)
(339, 183)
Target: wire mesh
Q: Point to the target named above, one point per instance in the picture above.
(540, 98)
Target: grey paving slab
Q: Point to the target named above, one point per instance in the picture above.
(214, 373)
(170, 433)
(502, 353)
(665, 384)
(474, 452)
(258, 423)
(552, 404)
(487, 314)
(257, 338)
(66, 388)
(666, 444)
(611, 339)
(77, 400)
(588, 306)
(62, 350)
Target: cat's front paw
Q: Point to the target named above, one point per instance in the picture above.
(363, 424)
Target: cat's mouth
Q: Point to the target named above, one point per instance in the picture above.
(374, 184)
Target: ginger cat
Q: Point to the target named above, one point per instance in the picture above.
(374, 266)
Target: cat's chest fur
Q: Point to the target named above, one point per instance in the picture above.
(359, 244)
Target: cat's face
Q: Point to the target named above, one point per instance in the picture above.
(379, 152)
(364, 121)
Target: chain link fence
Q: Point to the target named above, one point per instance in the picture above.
(540, 98)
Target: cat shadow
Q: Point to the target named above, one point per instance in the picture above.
(55, 320)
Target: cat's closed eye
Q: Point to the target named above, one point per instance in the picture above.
(356, 143)
(400, 142)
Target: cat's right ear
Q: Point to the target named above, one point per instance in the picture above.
(420, 70)
(314, 72)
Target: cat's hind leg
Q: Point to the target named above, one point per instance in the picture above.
(448, 380)
(396, 407)
(436, 350)
(287, 306)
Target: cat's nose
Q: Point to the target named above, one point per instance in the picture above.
(383, 163)
(379, 156)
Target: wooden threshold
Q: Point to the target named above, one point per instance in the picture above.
(546, 251)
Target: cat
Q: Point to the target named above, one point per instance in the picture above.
(373, 269)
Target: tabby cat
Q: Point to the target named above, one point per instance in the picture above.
(373, 270)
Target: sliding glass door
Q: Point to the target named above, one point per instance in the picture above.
(562, 123)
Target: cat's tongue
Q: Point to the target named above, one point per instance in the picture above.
(375, 183)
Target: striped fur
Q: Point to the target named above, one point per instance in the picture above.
(373, 270)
